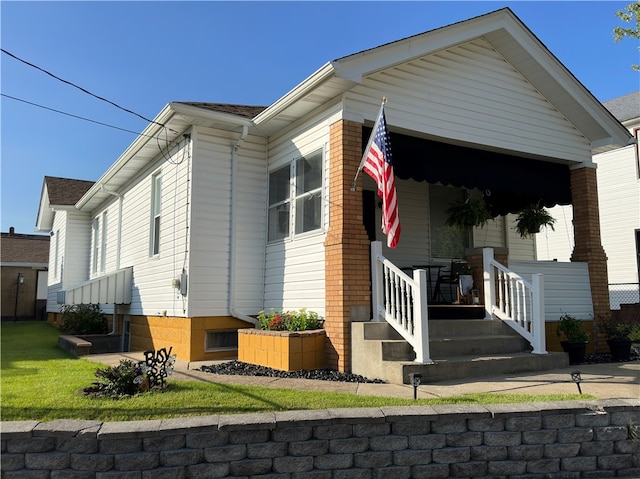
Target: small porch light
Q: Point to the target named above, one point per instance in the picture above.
(576, 378)
(415, 379)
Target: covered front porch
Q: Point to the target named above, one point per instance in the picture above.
(352, 291)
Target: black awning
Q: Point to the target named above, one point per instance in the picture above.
(510, 183)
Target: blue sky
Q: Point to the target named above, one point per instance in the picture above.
(143, 55)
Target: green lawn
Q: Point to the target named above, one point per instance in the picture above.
(40, 381)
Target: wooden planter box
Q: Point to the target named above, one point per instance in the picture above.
(284, 350)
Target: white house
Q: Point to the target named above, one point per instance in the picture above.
(244, 208)
(619, 198)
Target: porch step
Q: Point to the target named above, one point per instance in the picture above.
(463, 367)
(460, 348)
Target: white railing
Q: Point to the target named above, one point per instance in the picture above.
(519, 303)
(401, 301)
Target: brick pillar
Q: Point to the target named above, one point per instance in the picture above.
(347, 276)
(588, 245)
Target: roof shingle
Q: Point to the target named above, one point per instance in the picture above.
(24, 248)
(66, 191)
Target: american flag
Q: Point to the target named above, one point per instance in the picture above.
(378, 164)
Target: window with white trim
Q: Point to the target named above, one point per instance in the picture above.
(56, 256)
(295, 197)
(95, 226)
(103, 244)
(156, 210)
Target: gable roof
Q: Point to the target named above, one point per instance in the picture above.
(65, 191)
(25, 249)
(60, 193)
(504, 31)
(501, 28)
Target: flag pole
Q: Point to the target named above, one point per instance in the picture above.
(364, 155)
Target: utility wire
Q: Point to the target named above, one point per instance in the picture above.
(72, 115)
(82, 89)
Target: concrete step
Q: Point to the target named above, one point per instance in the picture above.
(458, 348)
(454, 328)
(463, 367)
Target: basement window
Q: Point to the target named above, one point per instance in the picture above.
(221, 340)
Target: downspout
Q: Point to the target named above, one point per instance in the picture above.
(114, 321)
(233, 249)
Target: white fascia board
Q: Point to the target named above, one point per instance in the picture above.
(367, 62)
(44, 218)
(321, 75)
(149, 132)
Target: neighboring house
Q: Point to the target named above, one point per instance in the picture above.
(24, 259)
(216, 212)
(618, 173)
(67, 226)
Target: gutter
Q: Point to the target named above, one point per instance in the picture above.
(114, 321)
(149, 132)
(233, 248)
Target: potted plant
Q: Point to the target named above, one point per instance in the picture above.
(575, 338)
(530, 220)
(468, 213)
(618, 335)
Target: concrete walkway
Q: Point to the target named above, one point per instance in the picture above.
(605, 381)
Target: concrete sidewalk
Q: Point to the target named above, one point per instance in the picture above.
(605, 381)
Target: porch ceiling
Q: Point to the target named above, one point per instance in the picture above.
(513, 182)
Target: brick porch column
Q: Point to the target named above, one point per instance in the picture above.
(588, 245)
(347, 275)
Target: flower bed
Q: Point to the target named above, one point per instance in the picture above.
(289, 341)
(285, 350)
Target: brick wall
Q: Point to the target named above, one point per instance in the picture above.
(347, 266)
(540, 440)
(588, 244)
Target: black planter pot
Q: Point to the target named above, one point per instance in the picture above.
(620, 349)
(577, 351)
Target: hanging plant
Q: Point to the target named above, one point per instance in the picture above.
(530, 220)
(468, 213)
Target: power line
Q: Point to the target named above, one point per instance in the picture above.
(72, 115)
(83, 89)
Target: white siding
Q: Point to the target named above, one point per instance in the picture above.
(295, 268)
(211, 224)
(77, 242)
(557, 244)
(469, 93)
(619, 198)
(413, 209)
(619, 205)
(492, 234)
(566, 287)
(519, 248)
(153, 292)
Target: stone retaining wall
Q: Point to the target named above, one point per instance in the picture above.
(565, 440)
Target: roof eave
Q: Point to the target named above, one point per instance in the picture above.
(321, 75)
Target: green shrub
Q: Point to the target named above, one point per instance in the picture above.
(301, 320)
(571, 329)
(83, 319)
(126, 379)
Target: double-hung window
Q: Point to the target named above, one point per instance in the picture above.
(295, 197)
(103, 244)
(156, 210)
(96, 244)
